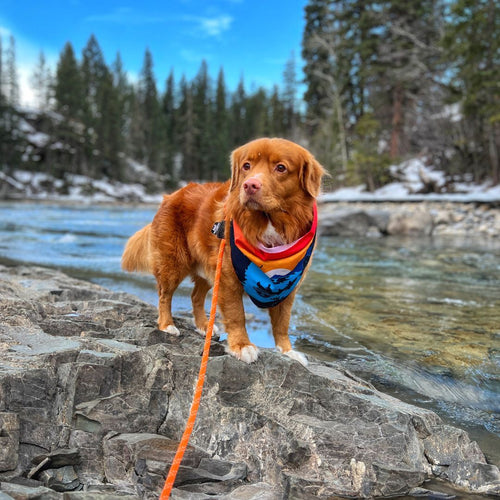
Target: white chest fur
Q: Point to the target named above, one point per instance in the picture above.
(271, 238)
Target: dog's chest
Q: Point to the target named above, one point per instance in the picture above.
(270, 237)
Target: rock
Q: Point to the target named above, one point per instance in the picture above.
(9, 441)
(61, 479)
(423, 218)
(453, 449)
(410, 223)
(473, 476)
(93, 396)
(22, 492)
(346, 222)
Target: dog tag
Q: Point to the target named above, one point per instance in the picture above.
(219, 229)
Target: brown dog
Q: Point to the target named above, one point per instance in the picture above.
(271, 201)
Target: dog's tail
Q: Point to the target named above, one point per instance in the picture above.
(137, 254)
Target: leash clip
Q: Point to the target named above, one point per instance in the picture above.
(219, 228)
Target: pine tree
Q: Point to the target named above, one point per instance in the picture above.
(11, 145)
(239, 125)
(187, 132)
(122, 95)
(202, 103)
(279, 116)
(290, 97)
(472, 43)
(42, 84)
(68, 88)
(12, 76)
(169, 119)
(150, 109)
(221, 129)
(95, 77)
(68, 93)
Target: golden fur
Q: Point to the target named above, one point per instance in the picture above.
(273, 181)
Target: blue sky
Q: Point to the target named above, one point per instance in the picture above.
(249, 38)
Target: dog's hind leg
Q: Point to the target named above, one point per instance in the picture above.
(198, 295)
(167, 284)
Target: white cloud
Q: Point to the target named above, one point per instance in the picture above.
(211, 26)
(215, 26)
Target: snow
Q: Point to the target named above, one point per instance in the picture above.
(409, 180)
(408, 177)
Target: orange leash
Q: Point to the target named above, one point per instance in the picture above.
(169, 483)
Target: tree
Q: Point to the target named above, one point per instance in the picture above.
(277, 112)
(187, 131)
(221, 129)
(323, 76)
(239, 126)
(42, 84)
(12, 76)
(95, 79)
(202, 102)
(169, 119)
(472, 45)
(68, 88)
(406, 65)
(11, 145)
(290, 96)
(368, 61)
(149, 148)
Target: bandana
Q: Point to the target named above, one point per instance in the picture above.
(268, 275)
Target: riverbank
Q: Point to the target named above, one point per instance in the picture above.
(94, 398)
(410, 218)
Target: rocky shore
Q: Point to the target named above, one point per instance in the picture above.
(94, 399)
(419, 218)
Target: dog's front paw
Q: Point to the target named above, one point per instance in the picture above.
(248, 354)
(172, 329)
(297, 356)
(203, 331)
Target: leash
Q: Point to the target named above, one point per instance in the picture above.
(169, 483)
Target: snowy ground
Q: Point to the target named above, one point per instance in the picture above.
(410, 177)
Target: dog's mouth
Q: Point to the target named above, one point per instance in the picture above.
(252, 204)
(258, 201)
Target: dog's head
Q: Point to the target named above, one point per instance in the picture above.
(273, 174)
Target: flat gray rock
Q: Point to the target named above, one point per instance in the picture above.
(94, 399)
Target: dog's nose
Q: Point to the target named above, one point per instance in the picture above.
(252, 185)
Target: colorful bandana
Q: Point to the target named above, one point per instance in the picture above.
(268, 275)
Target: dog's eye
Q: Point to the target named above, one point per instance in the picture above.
(280, 168)
(246, 166)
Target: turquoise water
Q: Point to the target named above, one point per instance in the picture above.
(419, 318)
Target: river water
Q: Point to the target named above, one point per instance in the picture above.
(418, 318)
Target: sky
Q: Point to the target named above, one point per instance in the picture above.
(252, 39)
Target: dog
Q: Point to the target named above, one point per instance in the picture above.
(269, 205)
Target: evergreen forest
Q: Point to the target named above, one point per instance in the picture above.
(382, 81)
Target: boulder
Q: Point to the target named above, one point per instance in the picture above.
(94, 399)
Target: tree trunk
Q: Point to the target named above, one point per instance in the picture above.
(493, 153)
(397, 122)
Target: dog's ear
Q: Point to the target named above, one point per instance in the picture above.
(311, 174)
(235, 169)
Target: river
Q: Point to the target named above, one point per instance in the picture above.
(418, 318)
